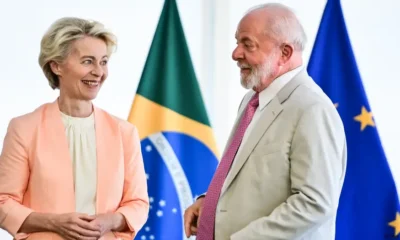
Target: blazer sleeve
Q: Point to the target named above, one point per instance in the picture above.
(318, 163)
(134, 205)
(14, 177)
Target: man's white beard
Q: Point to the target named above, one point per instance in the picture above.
(253, 80)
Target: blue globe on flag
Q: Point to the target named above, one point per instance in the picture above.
(178, 169)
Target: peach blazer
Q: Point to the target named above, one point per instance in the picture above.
(36, 171)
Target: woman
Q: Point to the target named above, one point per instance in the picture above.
(69, 170)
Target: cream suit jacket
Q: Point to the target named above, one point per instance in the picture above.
(287, 177)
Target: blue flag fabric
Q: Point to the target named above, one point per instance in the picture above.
(369, 205)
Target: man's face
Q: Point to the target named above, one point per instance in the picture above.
(257, 55)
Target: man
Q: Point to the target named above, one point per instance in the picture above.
(282, 172)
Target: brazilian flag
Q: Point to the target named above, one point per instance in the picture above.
(178, 144)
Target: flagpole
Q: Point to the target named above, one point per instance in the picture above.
(207, 75)
(222, 83)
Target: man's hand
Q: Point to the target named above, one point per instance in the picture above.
(192, 217)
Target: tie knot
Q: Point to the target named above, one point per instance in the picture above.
(254, 101)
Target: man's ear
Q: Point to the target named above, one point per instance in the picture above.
(287, 52)
(55, 67)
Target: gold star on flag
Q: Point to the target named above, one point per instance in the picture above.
(396, 224)
(365, 118)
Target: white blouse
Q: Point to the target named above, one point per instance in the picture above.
(81, 137)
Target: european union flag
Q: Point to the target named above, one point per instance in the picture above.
(369, 205)
(178, 145)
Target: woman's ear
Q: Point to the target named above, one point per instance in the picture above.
(55, 67)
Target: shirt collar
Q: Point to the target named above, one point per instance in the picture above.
(266, 95)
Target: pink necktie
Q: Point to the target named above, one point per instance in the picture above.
(207, 221)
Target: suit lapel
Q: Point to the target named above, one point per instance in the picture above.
(268, 115)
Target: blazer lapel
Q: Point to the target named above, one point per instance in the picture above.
(55, 141)
(269, 114)
(107, 136)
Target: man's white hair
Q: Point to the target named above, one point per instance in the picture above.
(283, 25)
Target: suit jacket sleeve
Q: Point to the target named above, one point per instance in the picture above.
(14, 177)
(317, 159)
(135, 203)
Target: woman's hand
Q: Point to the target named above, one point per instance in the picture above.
(109, 222)
(76, 226)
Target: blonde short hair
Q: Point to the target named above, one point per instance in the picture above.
(56, 42)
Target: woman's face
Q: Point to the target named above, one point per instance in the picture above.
(84, 70)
